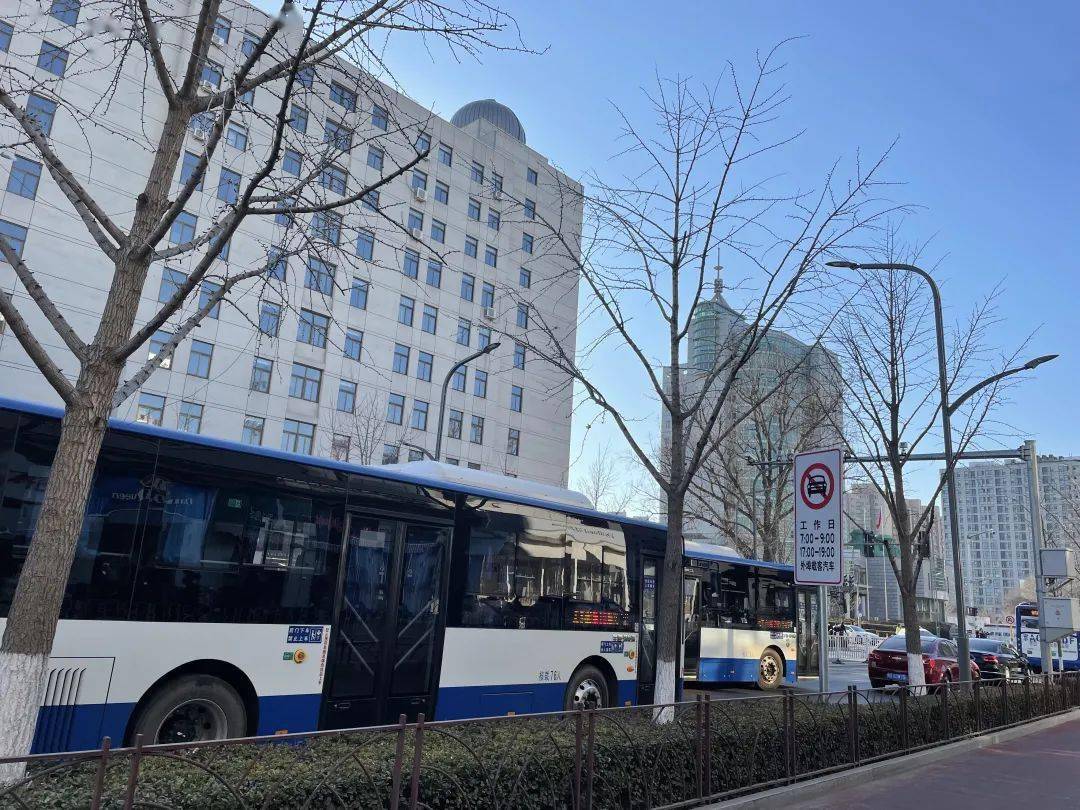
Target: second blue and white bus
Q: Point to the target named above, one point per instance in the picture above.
(222, 590)
(1027, 641)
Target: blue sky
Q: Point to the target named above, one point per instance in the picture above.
(982, 96)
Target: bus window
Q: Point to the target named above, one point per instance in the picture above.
(775, 606)
(597, 556)
(729, 597)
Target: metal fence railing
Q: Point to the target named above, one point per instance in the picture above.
(634, 757)
(851, 649)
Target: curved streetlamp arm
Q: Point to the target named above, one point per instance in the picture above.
(446, 384)
(1028, 366)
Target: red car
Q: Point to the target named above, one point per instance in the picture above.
(887, 663)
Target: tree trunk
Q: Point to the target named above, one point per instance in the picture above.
(906, 583)
(669, 627)
(31, 624)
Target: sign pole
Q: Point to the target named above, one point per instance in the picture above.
(823, 638)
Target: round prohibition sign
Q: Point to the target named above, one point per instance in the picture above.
(817, 482)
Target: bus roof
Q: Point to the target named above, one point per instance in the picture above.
(429, 474)
(709, 551)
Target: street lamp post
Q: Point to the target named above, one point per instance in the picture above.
(446, 384)
(946, 428)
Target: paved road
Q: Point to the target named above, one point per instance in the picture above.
(840, 675)
(1040, 770)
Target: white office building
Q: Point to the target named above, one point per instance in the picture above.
(350, 359)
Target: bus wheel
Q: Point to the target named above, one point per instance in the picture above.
(588, 689)
(770, 670)
(192, 708)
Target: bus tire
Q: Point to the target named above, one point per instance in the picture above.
(770, 670)
(192, 708)
(587, 689)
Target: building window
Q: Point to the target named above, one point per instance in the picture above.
(286, 218)
(468, 287)
(261, 371)
(406, 308)
(43, 111)
(343, 96)
(464, 331)
(516, 396)
(199, 359)
(253, 430)
(337, 135)
(326, 225)
(519, 356)
(207, 291)
(446, 154)
(456, 462)
(474, 465)
(222, 28)
(530, 209)
(395, 409)
(483, 337)
(358, 293)
(527, 243)
(415, 455)
(471, 246)
(476, 172)
(335, 179)
(416, 220)
(188, 169)
(419, 180)
(411, 265)
(434, 273)
(375, 158)
(312, 328)
(487, 295)
(438, 231)
(157, 346)
(236, 136)
(365, 244)
(52, 58)
(228, 189)
(277, 264)
(530, 176)
(430, 320)
(305, 77)
(474, 209)
(270, 318)
(476, 430)
(513, 442)
(297, 437)
(425, 362)
(442, 193)
(457, 421)
(320, 276)
(491, 256)
(339, 447)
(24, 178)
(419, 415)
(380, 119)
(525, 278)
(189, 418)
(66, 11)
(389, 454)
(480, 379)
(6, 30)
(305, 382)
(346, 396)
(298, 118)
(354, 343)
(249, 43)
(494, 219)
(370, 200)
(423, 143)
(151, 409)
(496, 183)
(457, 379)
(523, 316)
(183, 228)
(401, 359)
(223, 251)
(15, 236)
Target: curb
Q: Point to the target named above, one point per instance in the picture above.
(823, 785)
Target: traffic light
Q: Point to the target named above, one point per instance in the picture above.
(924, 544)
(868, 544)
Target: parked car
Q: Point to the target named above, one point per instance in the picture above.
(887, 663)
(861, 635)
(997, 659)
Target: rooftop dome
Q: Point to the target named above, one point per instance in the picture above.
(490, 110)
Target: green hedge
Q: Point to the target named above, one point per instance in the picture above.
(523, 762)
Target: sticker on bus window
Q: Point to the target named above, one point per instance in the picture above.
(305, 634)
(611, 646)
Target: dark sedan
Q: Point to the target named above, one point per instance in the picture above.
(997, 659)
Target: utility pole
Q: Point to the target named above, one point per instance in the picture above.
(1035, 497)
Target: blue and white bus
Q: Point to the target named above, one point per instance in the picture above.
(1027, 641)
(221, 590)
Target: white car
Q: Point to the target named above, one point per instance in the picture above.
(860, 635)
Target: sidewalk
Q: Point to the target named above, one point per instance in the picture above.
(1038, 770)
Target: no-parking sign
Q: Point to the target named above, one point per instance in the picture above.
(818, 487)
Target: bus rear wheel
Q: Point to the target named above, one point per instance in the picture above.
(192, 708)
(588, 689)
(770, 670)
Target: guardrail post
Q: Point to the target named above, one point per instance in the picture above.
(708, 744)
(1027, 697)
(99, 777)
(699, 769)
(978, 706)
(399, 760)
(590, 759)
(904, 717)
(853, 719)
(1046, 688)
(133, 774)
(1005, 701)
(945, 710)
(578, 716)
(418, 751)
(790, 765)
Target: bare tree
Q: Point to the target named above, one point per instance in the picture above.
(887, 347)
(787, 398)
(686, 195)
(362, 432)
(602, 482)
(157, 57)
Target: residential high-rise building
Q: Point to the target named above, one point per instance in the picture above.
(994, 515)
(348, 356)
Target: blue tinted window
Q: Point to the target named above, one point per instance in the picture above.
(290, 162)
(411, 266)
(170, 284)
(14, 235)
(42, 110)
(188, 167)
(228, 186)
(365, 244)
(67, 11)
(52, 58)
(6, 30)
(358, 293)
(183, 228)
(320, 276)
(24, 177)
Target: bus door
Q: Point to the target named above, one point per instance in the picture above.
(389, 618)
(650, 592)
(691, 627)
(806, 631)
